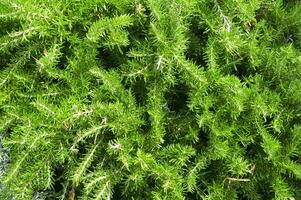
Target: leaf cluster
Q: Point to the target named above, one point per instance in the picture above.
(146, 99)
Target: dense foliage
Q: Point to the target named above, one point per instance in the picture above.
(150, 99)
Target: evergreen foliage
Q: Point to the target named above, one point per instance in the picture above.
(150, 99)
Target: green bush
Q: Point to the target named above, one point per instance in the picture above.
(150, 99)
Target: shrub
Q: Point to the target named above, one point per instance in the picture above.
(150, 99)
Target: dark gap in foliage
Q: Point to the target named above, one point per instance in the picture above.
(109, 10)
(117, 192)
(241, 194)
(177, 126)
(9, 26)
(146, 127)
(268, 121)
(97, 159)
(261, 13)
(212, 109)
(289, 37)
(109, 136)
(179, 120)
(216, 168)
(252, 149)
(139, 91)
(79, 30)
(110, 59)
(203, 141)
(66, 51)
(5, 58)
(291, 3)
(59, 178)
(81, 149)
(243, 70)
(191, 196)
(296, 157)
(137, 32)
(151, 182)
(265, 189)
(177, 99)
(197, 41)
(295, 185)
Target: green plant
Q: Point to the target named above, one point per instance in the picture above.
(151, 99)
